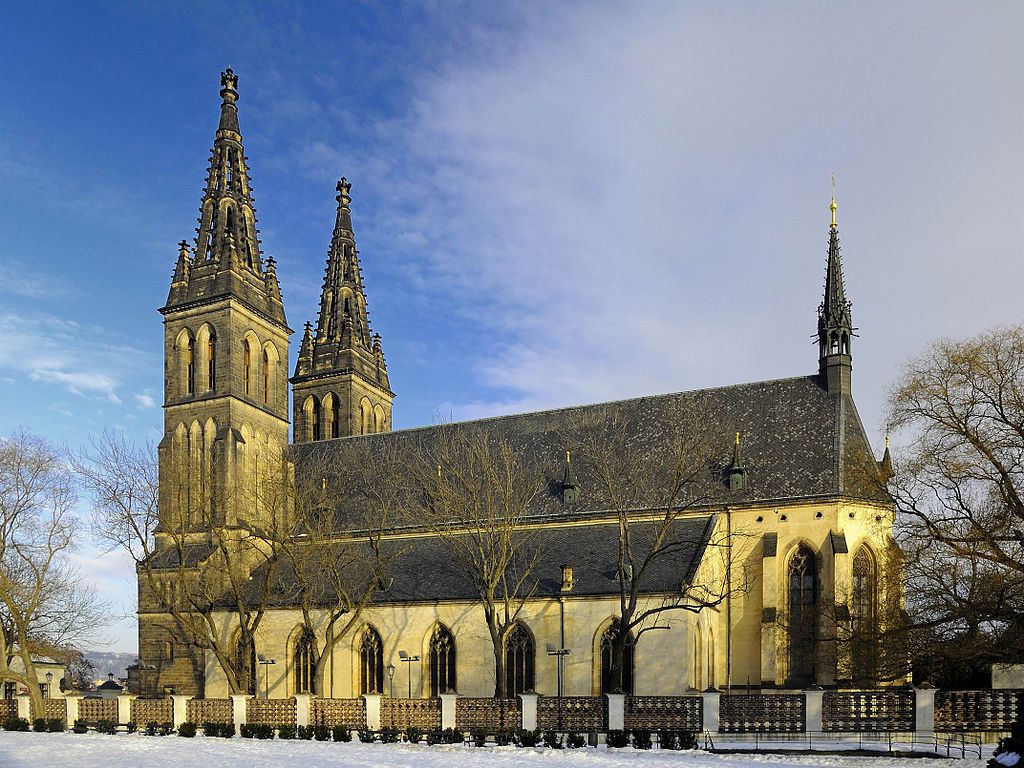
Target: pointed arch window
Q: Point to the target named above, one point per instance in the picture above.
(864, 615)
(371, 662)
(519, 659)
(442, 662)
(304, 667)
(247, 366)
(266, 378)
(803, 616)
(211, 362)
(335, 418)
(190, 364)
(316, 419)
(608, 683)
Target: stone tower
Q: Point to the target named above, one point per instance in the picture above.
(225, 356)
(835, 321)
(340, 386)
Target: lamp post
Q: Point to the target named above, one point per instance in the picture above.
(560, 654)
(49, 682)
(407, 659)
(391, 679)
(266, 674)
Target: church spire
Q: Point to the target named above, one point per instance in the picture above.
(835, 320)
(341, 361)
(227, 259)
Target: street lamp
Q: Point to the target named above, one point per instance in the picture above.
(407, 659)
(391, 679)
(560, 654)
(266, 674)
(49, 682)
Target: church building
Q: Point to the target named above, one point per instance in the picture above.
(792, 516)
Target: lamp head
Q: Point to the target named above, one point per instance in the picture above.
(551, 648)
(403, 655)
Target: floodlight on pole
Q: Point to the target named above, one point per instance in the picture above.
(266, 675)
(407, 659)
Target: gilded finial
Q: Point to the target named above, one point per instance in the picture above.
(887, 441)
(344, 187)
(568, 458)
(737, 438)
(833, 206)
(438, 471)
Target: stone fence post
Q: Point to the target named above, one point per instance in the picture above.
(814, 697)
(179, 704)
(24, 707)
(72, 707)
(528, 702)
(448, 704)
(712, 701)
(302, 701)
(124, 707)
(240, 710)
(372, 710)
(924, 709)
(616, 711)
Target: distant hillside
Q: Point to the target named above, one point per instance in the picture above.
(106, 662)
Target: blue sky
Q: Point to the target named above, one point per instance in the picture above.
(554, 203)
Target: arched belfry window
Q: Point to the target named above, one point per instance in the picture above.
(190, 366)
(211, 362)
(608, 682)
(519, 656)
(803, 616)
(371, 662)
(442, 661)
(335, 417)
(304, 667)
(316, 420)
(247, 366)
(266, 378)
(864, 614)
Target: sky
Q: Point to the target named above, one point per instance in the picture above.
(554, 203)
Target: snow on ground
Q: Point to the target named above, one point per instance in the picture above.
(69, 750)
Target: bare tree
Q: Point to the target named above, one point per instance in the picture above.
(657, 484)
(43, 602)
(195, 569)
(334, 563)
(476, 492)
(959, 490)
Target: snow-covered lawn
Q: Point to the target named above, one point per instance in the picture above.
(68, 750)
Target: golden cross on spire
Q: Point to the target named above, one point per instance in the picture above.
(833, 206)
(567, 457)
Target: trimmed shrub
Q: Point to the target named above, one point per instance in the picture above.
(525, 738)
(454, 736)
(341, 733)
(16, 724)
(678, 740)
(159, 729)
(413, 734)
(304, 732)
(478, 737)
(79, 727)
(39, 725)
(286, 732)
(553, 739)
(575, 740)
(367, 736)
(55, 725)
(388, 735)
(106, 726)
(187, 730)
(320, 733)
(1012, 745)
(642, 738)
(222, 730)
(617, 739)
(256, 731)
(132, 727)
(247, 731)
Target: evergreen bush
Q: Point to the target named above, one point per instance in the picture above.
(304, 732)
(642, 738)
(367, 736)
(39, 725)
(1010, 751)
(321, 732)
(55, 725)
(187, 730)
(478, 737)
(413, 734)
(575, 740)
(286, 732)
(132, 727)
(617, 739)
(341, 733)
(553, 739)
(388, 735)
(525, 738)
(79, 727)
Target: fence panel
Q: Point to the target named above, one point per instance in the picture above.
(578, 713)
(331, 712)
(490, 715)
(665, 712)
(986, 710)
(275, 712)
(54, 709)
(201, 711)
(763, 713)
(881, 710)
(8, 709)
(424, 714)
(93, 710)
(146, 711)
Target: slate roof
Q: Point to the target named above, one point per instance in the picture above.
(425, 570)
(799, 442)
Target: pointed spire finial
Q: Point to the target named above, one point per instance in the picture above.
(344, 187)
(568, 457)
(833, 206)
(229, 85)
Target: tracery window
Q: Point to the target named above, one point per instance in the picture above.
(607, 659)
(266, 377)
(247, 366)
(864, 615)
(519, 658)
(442, 661)
(211, 362)
(803, 616)
(191, 366)
(371, 662)
(304, 669)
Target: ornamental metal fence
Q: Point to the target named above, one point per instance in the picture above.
(201, 711)
(331, 712)
(490, 715)
(775, 713)
(684, 713)
(572, 713)
(875, 710)
(424, 714)
(982, 710)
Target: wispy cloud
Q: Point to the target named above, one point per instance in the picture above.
(18, 280)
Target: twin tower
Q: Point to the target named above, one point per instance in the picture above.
(226, 349)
